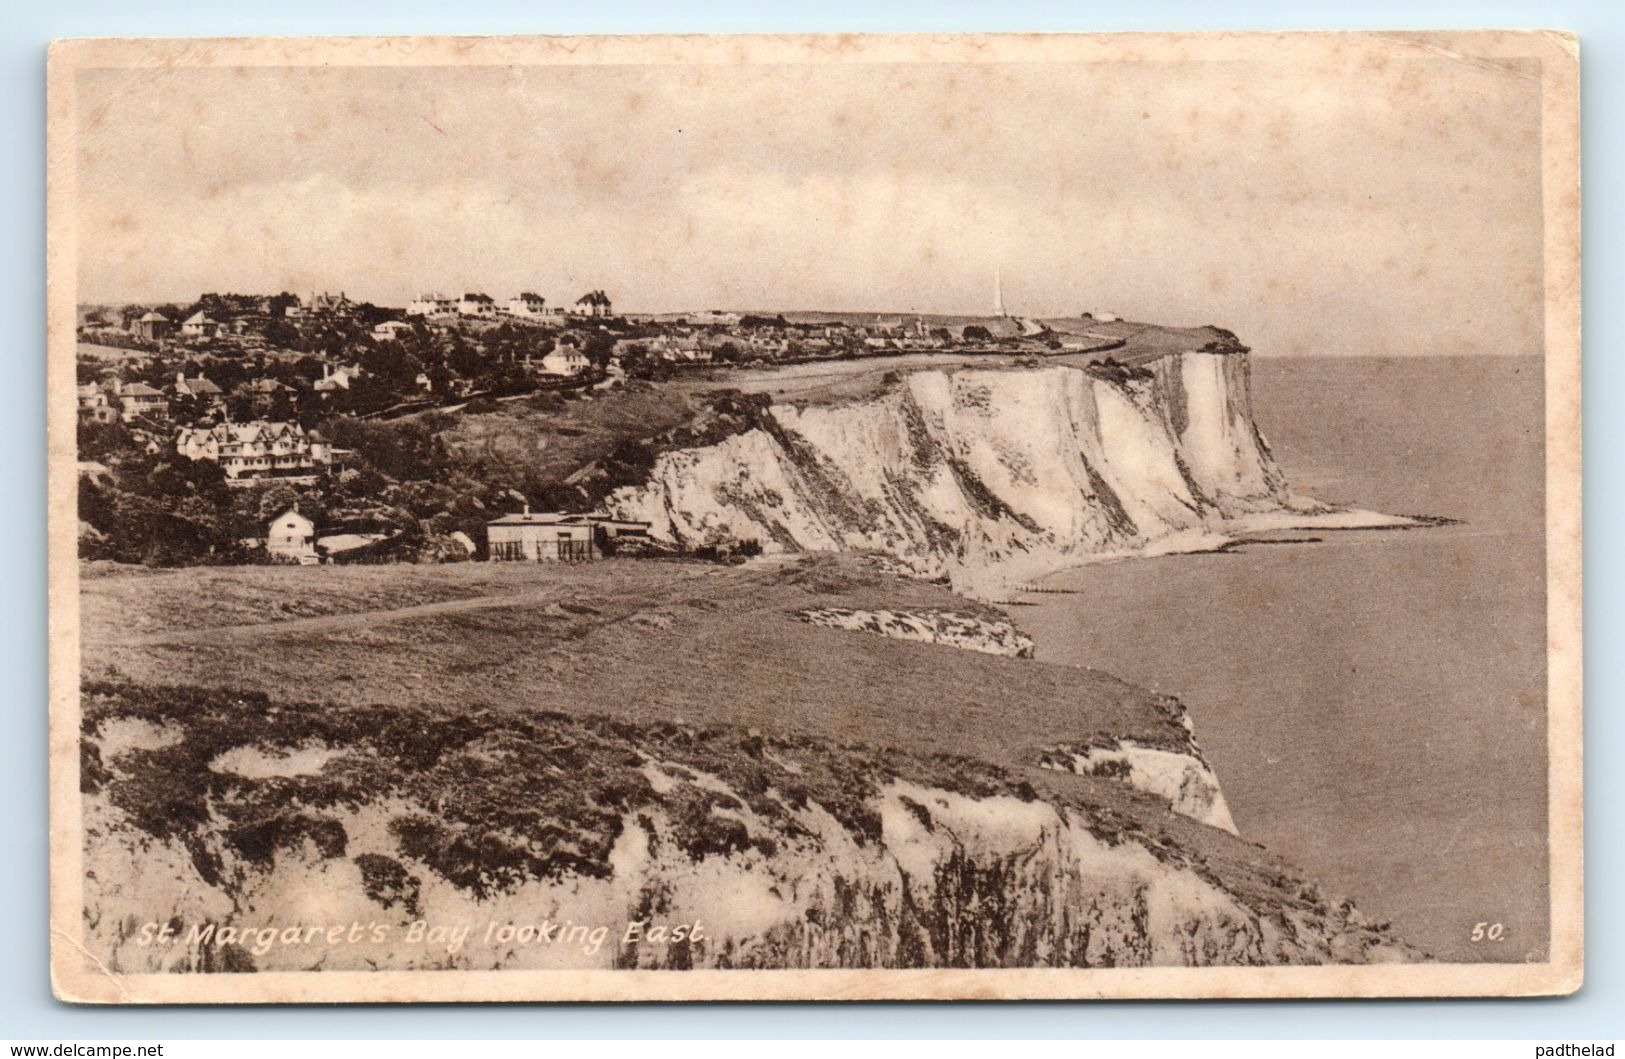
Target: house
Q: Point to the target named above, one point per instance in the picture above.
(259, 449)
(528, 305)
(476, 304)
(291, 537)
(564, 360)
(1100, 316)
(390, 330)
(153, 326)
(435, 306)
(593, 303)
(94, 405)
(553, 537)
(327, 303)
(198, 387)
(335, 379)
(137, 399)
(198, 325)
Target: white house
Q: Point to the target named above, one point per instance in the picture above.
(474, 303)
(335, 379)
(594, 303)
(564, 360)
(435, 306)
(291, 537)
(199, 325)
(528, 305)
(390, 330)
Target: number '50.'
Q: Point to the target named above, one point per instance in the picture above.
(1488, 932)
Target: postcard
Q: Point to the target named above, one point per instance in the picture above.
(815, 517)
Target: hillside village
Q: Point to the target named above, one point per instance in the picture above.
(202, 425)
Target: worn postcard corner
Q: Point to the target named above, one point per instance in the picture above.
(785, 518)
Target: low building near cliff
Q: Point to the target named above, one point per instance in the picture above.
(554, 537)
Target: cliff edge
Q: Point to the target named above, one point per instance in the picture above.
(994, 476)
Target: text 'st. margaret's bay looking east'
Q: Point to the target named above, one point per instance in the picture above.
(989, 505)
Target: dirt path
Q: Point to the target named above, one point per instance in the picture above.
(333, 622)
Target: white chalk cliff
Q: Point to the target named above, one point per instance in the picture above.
(994, 476)
(771, 853)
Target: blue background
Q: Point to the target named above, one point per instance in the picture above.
(27, 1009)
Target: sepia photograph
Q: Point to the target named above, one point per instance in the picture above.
(814, 517)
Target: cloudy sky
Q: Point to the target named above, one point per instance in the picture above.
(1386, 208)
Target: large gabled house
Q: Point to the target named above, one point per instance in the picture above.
(329, 303)
(259, 449)
(594, 303)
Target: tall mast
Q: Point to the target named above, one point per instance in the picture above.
(998, 292)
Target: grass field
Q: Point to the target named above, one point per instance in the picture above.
(643, 641)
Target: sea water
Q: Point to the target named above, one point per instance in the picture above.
(1374, 703)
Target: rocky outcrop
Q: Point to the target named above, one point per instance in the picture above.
(228, 832)
(992, 477)
(1181, 778)
(989, 636)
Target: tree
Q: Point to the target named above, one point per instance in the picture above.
(598, 349)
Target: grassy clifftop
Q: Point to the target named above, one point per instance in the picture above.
(645, 641)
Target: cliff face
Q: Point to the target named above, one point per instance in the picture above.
(249, 830)
(990, 475)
